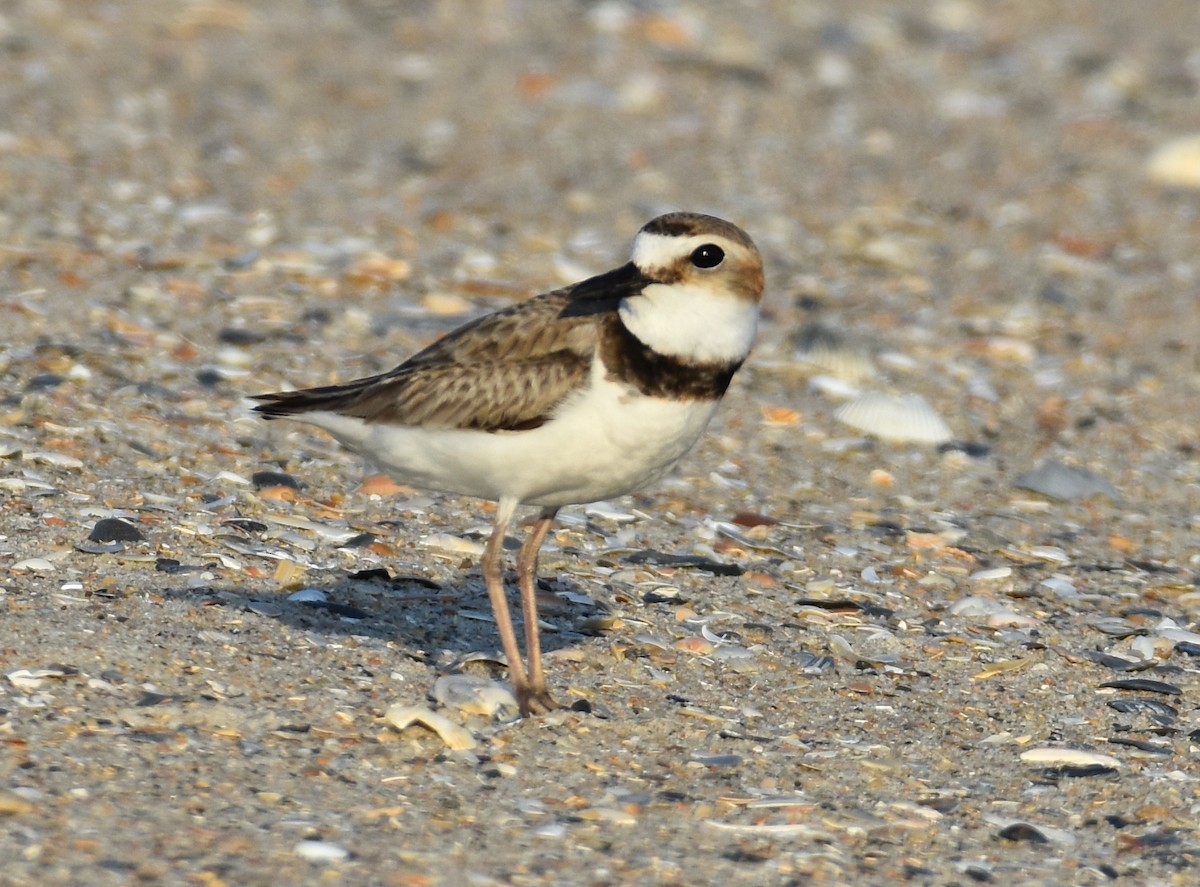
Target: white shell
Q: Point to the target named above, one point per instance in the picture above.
(1176, 163)
(1068, 757)
(403, 716)
(321, 851)
(834, 354)
(898, 418)
(836, 389)
(475, 695)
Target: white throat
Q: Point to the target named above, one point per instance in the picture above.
(692, 322)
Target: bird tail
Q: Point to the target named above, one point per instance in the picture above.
(308, 400)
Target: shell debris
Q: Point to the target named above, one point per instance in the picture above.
(456, 737)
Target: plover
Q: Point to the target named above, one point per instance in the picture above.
(584, 393)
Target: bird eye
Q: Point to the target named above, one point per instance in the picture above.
(708, 256)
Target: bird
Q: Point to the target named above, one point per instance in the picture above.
(580, 394)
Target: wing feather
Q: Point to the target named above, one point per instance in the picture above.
(505, 371)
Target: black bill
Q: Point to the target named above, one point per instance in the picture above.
(604, 292)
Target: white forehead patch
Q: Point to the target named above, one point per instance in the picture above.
(662, 251)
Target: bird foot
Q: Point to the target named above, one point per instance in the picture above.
(535, 701)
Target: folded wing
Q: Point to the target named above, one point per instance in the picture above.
(506, 371)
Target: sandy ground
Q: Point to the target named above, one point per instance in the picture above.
(887, 663)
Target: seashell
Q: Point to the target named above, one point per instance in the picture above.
(1171, 631)
(998, 668)
(896, 418)
(992, 574)
(475, 695)
(835, 389)
(813, 663)
(1143, 647)
(1176, 163)
(15, 803)
(266, 479)
(32, 679)
(1064, 482)
(1049, 553)
(321, 851)
(1068, 757)
(608, 511)
(1144, 685)
(1116, 663)
(1158, 711)
(766, 830)
(58, 460)
(457, 738)
(100, 547)
(33, 565)
(453, 544)
(829, 351)
(976, 606)
(115, 529)
(1019, 830)
(1060, 587)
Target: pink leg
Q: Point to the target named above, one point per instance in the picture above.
(493, 575)
(538, 699)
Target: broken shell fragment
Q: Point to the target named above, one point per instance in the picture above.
(456, 737)
(1055, 480)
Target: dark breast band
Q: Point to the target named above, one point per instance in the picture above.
(628, 359)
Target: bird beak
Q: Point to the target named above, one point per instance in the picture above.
(604, 292)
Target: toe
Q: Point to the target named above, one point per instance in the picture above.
(536, 701)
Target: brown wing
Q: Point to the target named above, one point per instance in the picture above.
(504, 371)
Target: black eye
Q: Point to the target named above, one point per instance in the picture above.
(708, 256)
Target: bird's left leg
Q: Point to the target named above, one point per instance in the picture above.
(538, 699)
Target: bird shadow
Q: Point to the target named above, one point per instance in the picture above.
(431, 622)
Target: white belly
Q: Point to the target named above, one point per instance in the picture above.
(604, 442)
